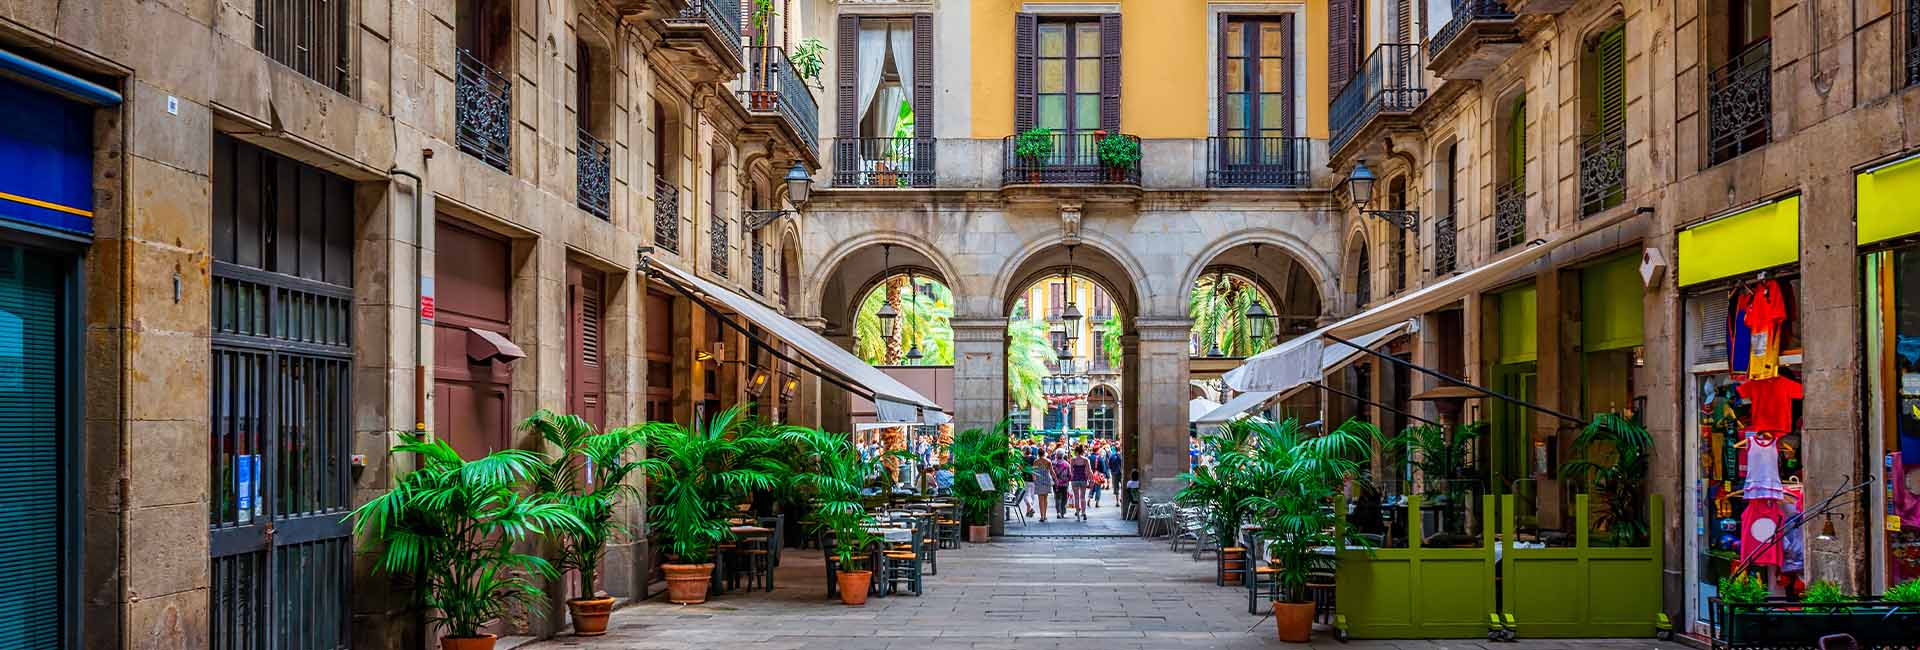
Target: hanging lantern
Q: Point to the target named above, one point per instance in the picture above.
(1259, 322)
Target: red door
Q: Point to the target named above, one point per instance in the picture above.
(470, 396)
(586, 290)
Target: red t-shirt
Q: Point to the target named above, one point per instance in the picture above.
(1765, 309)
(1772, 400)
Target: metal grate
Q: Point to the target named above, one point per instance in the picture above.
(1913, 42)
(1465, 12)
(595, 170)
(718, 247)
(666, 215)
(310, 36)
(1259, 161)
(1740, 104)
(774, 85)
(1389, 82)
(1446, 244)
(1509, 215)
(1603, 171)
(1073, 158)
(759, 261)
(883, 162)
(484, 112)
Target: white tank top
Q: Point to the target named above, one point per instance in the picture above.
(1763, 468)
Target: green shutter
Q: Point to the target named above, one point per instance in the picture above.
(1519, 325)
(1517, 140)
(1611, 304)
(31, 289)
(1612, 82)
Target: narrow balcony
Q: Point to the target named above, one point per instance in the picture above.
(666, 215)
(483, 112)
(1380, 99)
(703, 40)
(883, 162)
(1259, 162)
(1036, 158)
(1913, 43)
(595, 170)
(1446, 245)
(1740, 104)
(1482, 34)
(1510, 214)
(776, 96)
(1603, 170)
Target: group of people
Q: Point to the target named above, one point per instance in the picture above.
(1074, 475)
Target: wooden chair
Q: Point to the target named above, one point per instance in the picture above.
(904, 566)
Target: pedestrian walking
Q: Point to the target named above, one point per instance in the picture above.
(1079, 474)
(1043, 476)
(1094, 487)
(1060, 470)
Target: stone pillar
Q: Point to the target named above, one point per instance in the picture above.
(804, 407)
(1160, 390)
(836, 404)
(1829, 314)
(689, 327)
(979, 371)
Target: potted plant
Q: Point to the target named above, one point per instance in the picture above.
(1295, 479)
(1222, 487)
(1743, 614)
(588, 476)
(1444, 461)
(1034, 146)
(832, 474)
(809, 57)
(978, 452)
(451, 525)
(1119, 153)
(1612, 455)
(697, 477)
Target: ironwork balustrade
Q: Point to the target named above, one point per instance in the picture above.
(1072, 158)
(1258, 161)
(759, 258)
(1913, 43)
(1464, 13)
(1740, 103)
(1603, 170)
(595, 170)
(310, 36)
(722, 16)
(1389, 81)
(883, 162)
(666, 215)
(1446, 244)
(718, 245)
(483, 107)
(773, 84)
(1510, 214)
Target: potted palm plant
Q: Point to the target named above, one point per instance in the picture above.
(832, 476)
(1296, 479)
(977, 452)
(588, 476)
(1223, 486)
(1444, 461)
(451, 525)
(697, 477)
(1612, 454)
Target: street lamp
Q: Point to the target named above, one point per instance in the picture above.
(1071, 315)
(1259, 323)
(886, 313)
(799, 184)
(1360, 188)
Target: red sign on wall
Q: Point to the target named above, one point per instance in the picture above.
(426, 307)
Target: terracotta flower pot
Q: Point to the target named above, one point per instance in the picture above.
(482, 642)
(1294, 621)
(978, 534)
(590, 615)
(853, 586)
(687, 583)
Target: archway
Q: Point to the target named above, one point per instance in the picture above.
(914, 345)
(1246, 299)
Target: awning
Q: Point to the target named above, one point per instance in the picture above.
(1293, 363)
(893, 401)
(1200, 407)
(1446, 392)
(1332, 359)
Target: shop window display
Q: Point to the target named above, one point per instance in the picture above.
(1745, 395)
(1893, 341)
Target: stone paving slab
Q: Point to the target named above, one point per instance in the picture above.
(1031, 593)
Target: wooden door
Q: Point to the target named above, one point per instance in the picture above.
(470, 398)
(586, 294)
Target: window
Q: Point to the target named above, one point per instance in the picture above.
(1056, 300)
(719, 223)
(1056, 416)
(1446, 234)
(1256, 80)
(1397, 237)
(885, 102)
(1019, 422)
(593, 166)
(483, 96)
(1510, 197)
(1740, 84)
(1103, 411)
(1069, 75)
(666, 189)
(310, 36)
(1362, 274)
(1913, 42)
(1603, 142)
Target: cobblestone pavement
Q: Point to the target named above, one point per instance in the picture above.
(1101, 521)
(1032, 593)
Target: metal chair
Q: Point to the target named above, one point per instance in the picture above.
(1016, 503)
(904, 566)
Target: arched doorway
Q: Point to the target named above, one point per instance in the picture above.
(890, 302)
(1246, 299)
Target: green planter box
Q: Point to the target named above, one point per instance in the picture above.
(1781, 624)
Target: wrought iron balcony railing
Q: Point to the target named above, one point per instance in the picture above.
(1389, 82)
(1913, 43)
(883, 162)
(666, 215)
(1446, 244)
(719, 244)
(1510, 214)
(774, 85)
(1603, 170)
(310, 36)
(1740, 104)
(1258, 162)
(721, 16)
(596, 175)
(759, 258)
(483, 107)
(1464, 13)
(1068, 158)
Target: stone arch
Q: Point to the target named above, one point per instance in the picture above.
(1325, 279)
(1041, 256)
(788, 254)
(854, 265)
(1356, 274)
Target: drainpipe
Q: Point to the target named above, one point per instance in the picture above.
(419, 288)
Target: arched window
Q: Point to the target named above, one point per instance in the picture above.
(1603, 133)
(1510, 196)
(1397, 237)
(1103, 411)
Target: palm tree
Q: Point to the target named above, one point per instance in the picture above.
(1218, 306)
(1110, 342)
(895, 344)
(926, 322)
(1029, 350)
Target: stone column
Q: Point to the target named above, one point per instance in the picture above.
(979, 371)
(1159, 388)
(836, 405)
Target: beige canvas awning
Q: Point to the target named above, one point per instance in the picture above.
(1332, 359)
(893, 401)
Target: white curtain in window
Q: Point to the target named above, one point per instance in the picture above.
(891, 97)
(873, 58)
(902, 37)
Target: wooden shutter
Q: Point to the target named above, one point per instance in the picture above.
(1403, 22)
(1026, 36)
(1221, 81)
(1517, 143)
(1340, 44)
(847, 73)
(1286, 79)
(1612, 104)
(1110, 72)
(923, 97)
(584, 338)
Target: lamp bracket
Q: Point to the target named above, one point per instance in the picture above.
(1408, 220)
(757, 219)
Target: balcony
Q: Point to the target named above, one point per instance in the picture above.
(1446, 245)
(883, 162)
(313, 39)
(777, 98)
(1510, 214)
(595, 171)
(1065, 158)
(1482, 34)
(1603, 170)
(703, 40)
(1259, 162)
(1913, 43)
(1740, 104)
(1382, 98)
(483, 112)
(666, 215)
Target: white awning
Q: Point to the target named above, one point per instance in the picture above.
(1332, 359)
(893, 401)
(1199, 407)
(1292, 363)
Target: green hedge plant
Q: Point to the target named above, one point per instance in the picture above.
(1118, 151)
(1034, 145)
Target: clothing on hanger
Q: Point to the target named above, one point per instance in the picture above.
(1739, 339)
(1793, 547)
(1763, 469)
(1772, 399)
(1759, 523)
(1764, 315)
